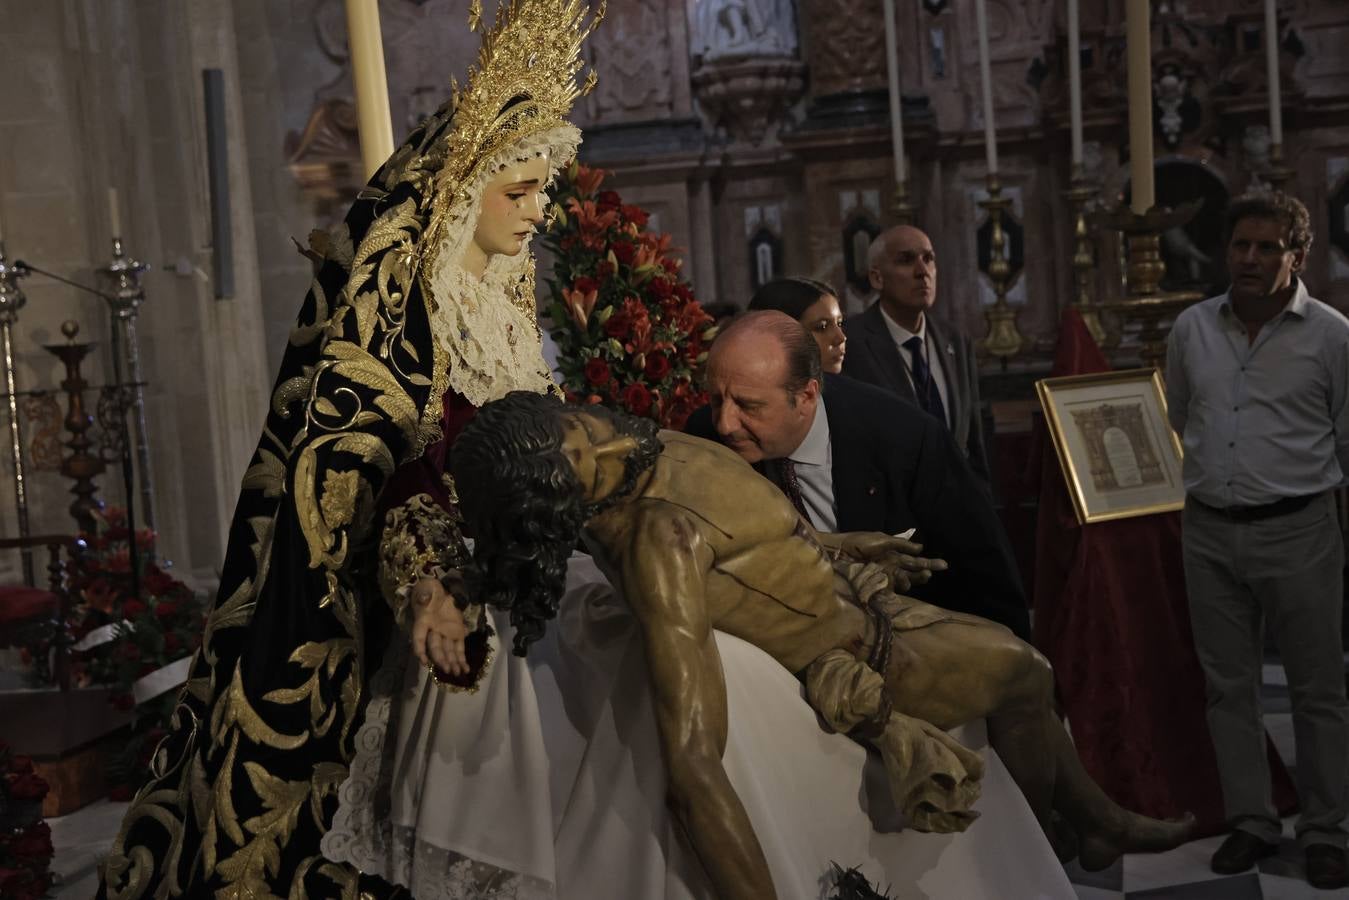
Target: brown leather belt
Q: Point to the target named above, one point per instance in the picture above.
(1263, 511)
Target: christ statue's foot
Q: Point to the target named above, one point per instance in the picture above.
(1137, 834)
(1062, 837)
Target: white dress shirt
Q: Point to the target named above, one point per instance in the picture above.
(1260, 421)
(814, 463)
(933, 355)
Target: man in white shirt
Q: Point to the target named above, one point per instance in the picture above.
(896, 344)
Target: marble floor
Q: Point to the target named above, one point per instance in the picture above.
(1183, 874)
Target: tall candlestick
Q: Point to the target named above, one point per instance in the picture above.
(1075, 79)
(1140, 106)
(114, 214)
(986, 82)
(1272, 73)
(896, 108)
(373, 119)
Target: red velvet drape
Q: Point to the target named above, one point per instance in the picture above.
(1111, 615)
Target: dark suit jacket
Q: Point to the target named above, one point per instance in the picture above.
(873, 357)
(895, 468)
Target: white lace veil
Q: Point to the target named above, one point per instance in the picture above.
(494, 346)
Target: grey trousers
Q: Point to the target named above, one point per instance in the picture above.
(1286, 571)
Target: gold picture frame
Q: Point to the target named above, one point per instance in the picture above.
(1118, 453)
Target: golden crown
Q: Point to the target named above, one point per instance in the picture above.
(524, 83)
(525, 79)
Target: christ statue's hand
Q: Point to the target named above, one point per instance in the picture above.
(898, 556)
(438, 628)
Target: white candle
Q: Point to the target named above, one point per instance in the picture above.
(1075, 79)
(986, 79)
(114, 214)
(1272, 73)
(896, 108)
(1143, 197)
(373, 121)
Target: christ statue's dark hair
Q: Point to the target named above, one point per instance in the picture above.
(523, 503)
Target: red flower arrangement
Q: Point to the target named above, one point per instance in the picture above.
(155, 620)
(25, 840)
(630, 333)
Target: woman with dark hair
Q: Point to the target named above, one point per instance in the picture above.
(815, 305)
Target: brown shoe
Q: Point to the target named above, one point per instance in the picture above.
(1326, 867)
(1239, 852)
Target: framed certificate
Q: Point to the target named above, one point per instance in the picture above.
(1114, 443)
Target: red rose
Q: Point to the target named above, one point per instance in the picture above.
(585, 284)
(624, 252)
(604, 270)
(597, 371)
(618, 325)
(657, 366)
(609, 200)
(36, 841)
(636, 215)
(20, 765)
(669, 264)
(157, 581)
(123, 702)
(660, 288)
(166, 608)
(637, 398)
(11, 880)
(132, 608)
(30, 786)
(683, 291)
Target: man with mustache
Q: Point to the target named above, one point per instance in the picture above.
(693, 541)
(1258, 390)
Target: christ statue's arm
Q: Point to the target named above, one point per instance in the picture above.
(664, 566)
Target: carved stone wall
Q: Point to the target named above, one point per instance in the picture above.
(640, 54)
(844, 43)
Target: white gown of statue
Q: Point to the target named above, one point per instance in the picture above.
(548, 783)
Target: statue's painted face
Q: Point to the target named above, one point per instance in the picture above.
(596, 451)
(512, 208)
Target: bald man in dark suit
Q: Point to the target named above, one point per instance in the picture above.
(897, 344)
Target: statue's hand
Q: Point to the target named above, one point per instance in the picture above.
(438, 628)
(898, 556)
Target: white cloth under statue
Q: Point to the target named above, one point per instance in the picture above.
(548, 783)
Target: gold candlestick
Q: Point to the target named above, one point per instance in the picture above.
(904, 211)
(1277, 174)
(1145, 303)
(1079, 194)
(1003, 340)
(12, 300)
(123, 274)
